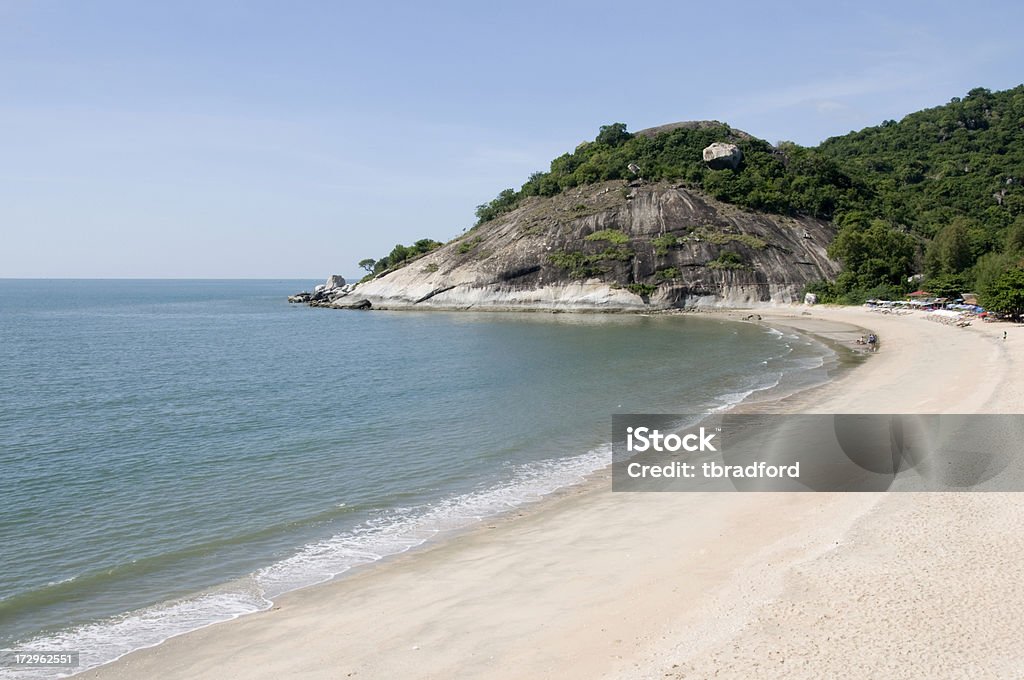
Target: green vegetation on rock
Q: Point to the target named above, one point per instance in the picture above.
(667, 273)
(728, 259)
(468, 245)
(398, 257)
(664, 242)
(583, 265)
(722, 238)
(578, 265)
(615, 236)
(644, 290)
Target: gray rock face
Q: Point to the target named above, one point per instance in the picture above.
(335, 281)
(354, 304)
(592, 248)
(722, 156)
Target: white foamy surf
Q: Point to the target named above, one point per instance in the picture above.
(385, 535)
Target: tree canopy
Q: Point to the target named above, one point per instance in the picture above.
(789, 179)
(953, 177)
(1006, 293)
(398, 256)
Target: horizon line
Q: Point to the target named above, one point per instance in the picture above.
(161, 278)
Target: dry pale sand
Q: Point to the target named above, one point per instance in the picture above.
(733, 585)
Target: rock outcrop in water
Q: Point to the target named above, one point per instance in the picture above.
(610, 246)
(335, 281)
(324, 293)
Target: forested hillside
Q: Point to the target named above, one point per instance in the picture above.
(953, 178)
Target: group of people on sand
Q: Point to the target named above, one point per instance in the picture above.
(871, 340)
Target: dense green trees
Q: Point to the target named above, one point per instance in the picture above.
(954, 176)
(877, 259)
(1006, 293)
(505, 201)
(613, 135)
(1014, 240)
(790, 179)
(950, 252)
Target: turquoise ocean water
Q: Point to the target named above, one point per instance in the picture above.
(175, 453)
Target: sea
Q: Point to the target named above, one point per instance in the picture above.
(175, 453)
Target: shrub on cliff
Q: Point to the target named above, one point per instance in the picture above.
(398, 256)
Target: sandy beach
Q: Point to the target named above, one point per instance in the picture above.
(598, 584)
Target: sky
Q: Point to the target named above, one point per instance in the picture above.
(229, 139)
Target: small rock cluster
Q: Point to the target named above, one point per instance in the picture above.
(330, 294)
(327, 293)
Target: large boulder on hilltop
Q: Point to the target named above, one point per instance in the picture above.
(722, 156)
(335, 281)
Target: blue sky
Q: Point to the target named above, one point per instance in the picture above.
(292, 139)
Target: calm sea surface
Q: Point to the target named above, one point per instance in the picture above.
(174, 453)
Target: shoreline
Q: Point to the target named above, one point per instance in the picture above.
(598, 480)
(488, 541)
(591, 479)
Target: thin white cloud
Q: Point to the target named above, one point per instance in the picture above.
(830, 106)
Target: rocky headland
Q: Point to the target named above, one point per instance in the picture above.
(617, 245)
(612, 246)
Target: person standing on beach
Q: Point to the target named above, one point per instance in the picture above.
(1004, 335)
